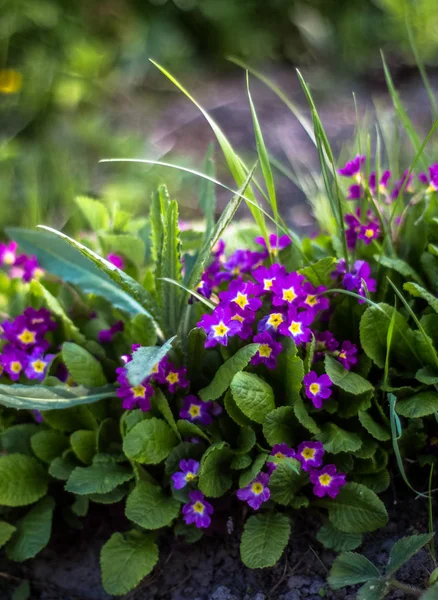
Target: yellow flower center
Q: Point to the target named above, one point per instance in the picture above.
(325, 479)
(16, 366)
(295, 328)
(308, 453)
(434, 441)
(265, 350)
(342, 355)
(221, 329)
(27, 337)
(172, 377)
(267, 284)
(138, 391)
(190, 476)
(238, 318)
(38, 273)
(257, 488)
(236, 271)
(311, 300)
(8, 258)
(314, 388)
(289, 295)
(369, 233)
(275, 320)
(279, 455)
(241, 300)
(39, 366)
(154, 369)
(10, 81)
(198, 507)
(194, 411)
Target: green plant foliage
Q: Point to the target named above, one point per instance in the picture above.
(332, 538)
(32, 531)
(149, 442)
(83, 367)
(99, 478)
(162, 509)
(350, 568)
(264, 539)
(23, 481)
(145, 359)
(253, 396)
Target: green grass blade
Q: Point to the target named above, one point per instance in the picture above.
(207, 194)
(170, 268)
(231, 157)
(401, 112)
(199, 297)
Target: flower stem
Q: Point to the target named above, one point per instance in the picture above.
(413, 591)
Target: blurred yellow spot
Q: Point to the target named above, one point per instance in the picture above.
(10, 81)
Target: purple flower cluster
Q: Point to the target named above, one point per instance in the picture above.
(358, 279)
(20, 266)
(366, 232)
(26, 345)
(106, 335)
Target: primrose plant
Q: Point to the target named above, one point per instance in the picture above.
(191, 383)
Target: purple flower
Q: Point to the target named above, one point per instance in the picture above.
(198, 510)
(281, 451)
(40, 320)
(400, 183)
(312, 300)
(105, 336)
(297, 325)
(326, 341)
(340, 269)
(347, 354)
(246, 318)
(369, 232)
(189, 472)
(8, 254)
(170, 375)
(138, 395)
(203, 288)
(219, 326)
(272, 322)
(288, 290)
(318, 389)
(256, 492)
(268, 350)
(19, 333)
(359, 279)
(432, 180)
(27, 267)
(354, 192)
(266, 276)
(37, 416)
(382, 183)
(276, 243)
(195, 410)
(14, 361)
(239, 294)
(242, 261)
(352, 168)
(37, 365)
(116, 260)
(353, 230)
(310, 454)
(327, 481)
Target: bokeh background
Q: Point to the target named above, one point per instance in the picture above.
(76, 86)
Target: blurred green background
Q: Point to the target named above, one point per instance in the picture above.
(76, 85)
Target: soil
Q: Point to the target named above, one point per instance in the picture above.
(211, 569)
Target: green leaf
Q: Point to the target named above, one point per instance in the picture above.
(350, 568)
(377, 430)
(33, 531)
(264, 539)
(310, 351)
(170, 268)
(84, 445)
(333, 539)
(427, 375)
(17, 439)
(144, 359)
(234, 411)
(247, 476)
(70, 330)
(377, 482)
(149, 442)
(47, 445)
(142, 330)
(398, 265)
(294, 375)
(304, 418)
(356, 509)
(319, 273)
(418, 405)
(159, 206)
(22, 592)
(336, 440)
(346, 380)
(196, 352)
(162, 405)
(404, 549)
(125, 560)
(72, 262)
(280, 426)
(419, 292)
(245, 440)
(183, 450)
(374, 326)
(48, 398)
(76, 417)
(83, 367)
(241, 461)
(286, 480)
(6, 530)
(214, 475)
(95, 212)
(22, 480)
(110, 497)
(188, 429)
(253, 396)
(99, 478)
(62, 467)
(161, 509)
(374, 589)
(227, 371)
(207, 195)
(80, 506)
(130, 246)
(431, 593)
